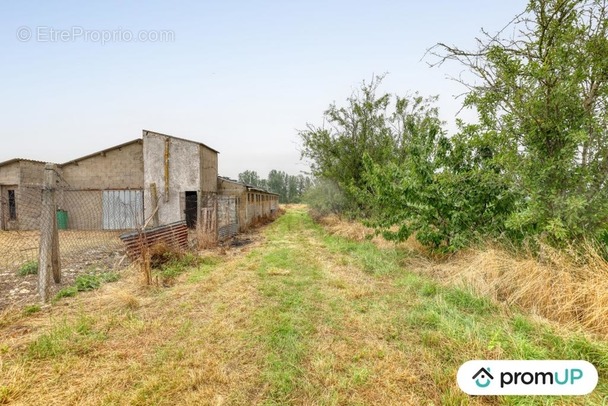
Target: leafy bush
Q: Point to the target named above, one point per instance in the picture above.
(532, 168)
(28, 268)
(550, 139)
(88, 281)
(68, 291)
(31, 309)
(93, 280)
(169, 263)
(325, 197)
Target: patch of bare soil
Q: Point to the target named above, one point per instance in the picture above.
(16, 290)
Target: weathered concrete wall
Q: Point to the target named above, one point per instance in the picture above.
(208, 160)
(184, 174)
(239, 191)
(120, 168)
(84, 207)
(29, 201)
(10, 174)
(232, 188)
(252, 205)
(25, 178)
(30, 194)
(227, 217)
(32, 173)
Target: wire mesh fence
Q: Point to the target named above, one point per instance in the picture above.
(84, 227)
(89, 223)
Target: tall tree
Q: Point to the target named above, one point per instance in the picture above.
(540, 87)
(250, 178)
(290, 188)
(337, 151)
(277, 184)
(373, 124)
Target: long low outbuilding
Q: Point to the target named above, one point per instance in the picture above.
(149, 181)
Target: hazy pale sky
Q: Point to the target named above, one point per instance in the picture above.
(240, 76)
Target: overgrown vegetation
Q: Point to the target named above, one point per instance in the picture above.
(89, 280)
(76, 338)
(167, 263)
(303, 317)
(31, 309)
(532, 169)
(28, 268)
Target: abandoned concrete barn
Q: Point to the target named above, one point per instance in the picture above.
(252, 202)
(20, 180)
(154, 180)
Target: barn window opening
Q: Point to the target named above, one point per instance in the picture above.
(12, 205)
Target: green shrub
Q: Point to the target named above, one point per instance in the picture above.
(68, 291)
(93, 280)
(28, 268)
(77, 337)
(326, 197)
(177, 263)
(31, 309)
(88, 281)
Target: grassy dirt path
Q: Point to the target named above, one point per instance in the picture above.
(300, 317)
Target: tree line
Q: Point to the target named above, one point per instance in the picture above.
(533, 167)
(290, 188)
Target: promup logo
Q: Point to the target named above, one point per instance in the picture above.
(483, 375)
(527, 377)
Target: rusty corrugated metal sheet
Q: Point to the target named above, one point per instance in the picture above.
(174, 235)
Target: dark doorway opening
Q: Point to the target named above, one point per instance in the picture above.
(12, 205)
(191, 209)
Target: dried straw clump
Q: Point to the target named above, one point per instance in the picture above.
(566, 286)
(352, 230)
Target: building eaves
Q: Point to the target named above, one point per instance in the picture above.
(11, 161)
(182, 139)
(102, 152)
(259, 189)
(248, 187)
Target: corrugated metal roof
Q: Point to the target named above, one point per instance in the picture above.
(11, 161)
(249, 187)
(102, 152)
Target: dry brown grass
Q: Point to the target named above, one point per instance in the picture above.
(186, 345)
(224, 334)
(565, 286)
(17, 247)
(562, 286)
(205, 239)
(396, 371)
(354, 230)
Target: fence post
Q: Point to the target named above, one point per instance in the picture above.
(48, 262)
(215, 219)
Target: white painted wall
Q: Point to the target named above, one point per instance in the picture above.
(184, 174)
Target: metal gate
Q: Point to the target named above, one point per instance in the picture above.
(228, 224)
(122, 209)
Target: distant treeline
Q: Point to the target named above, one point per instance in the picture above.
(290, 188)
